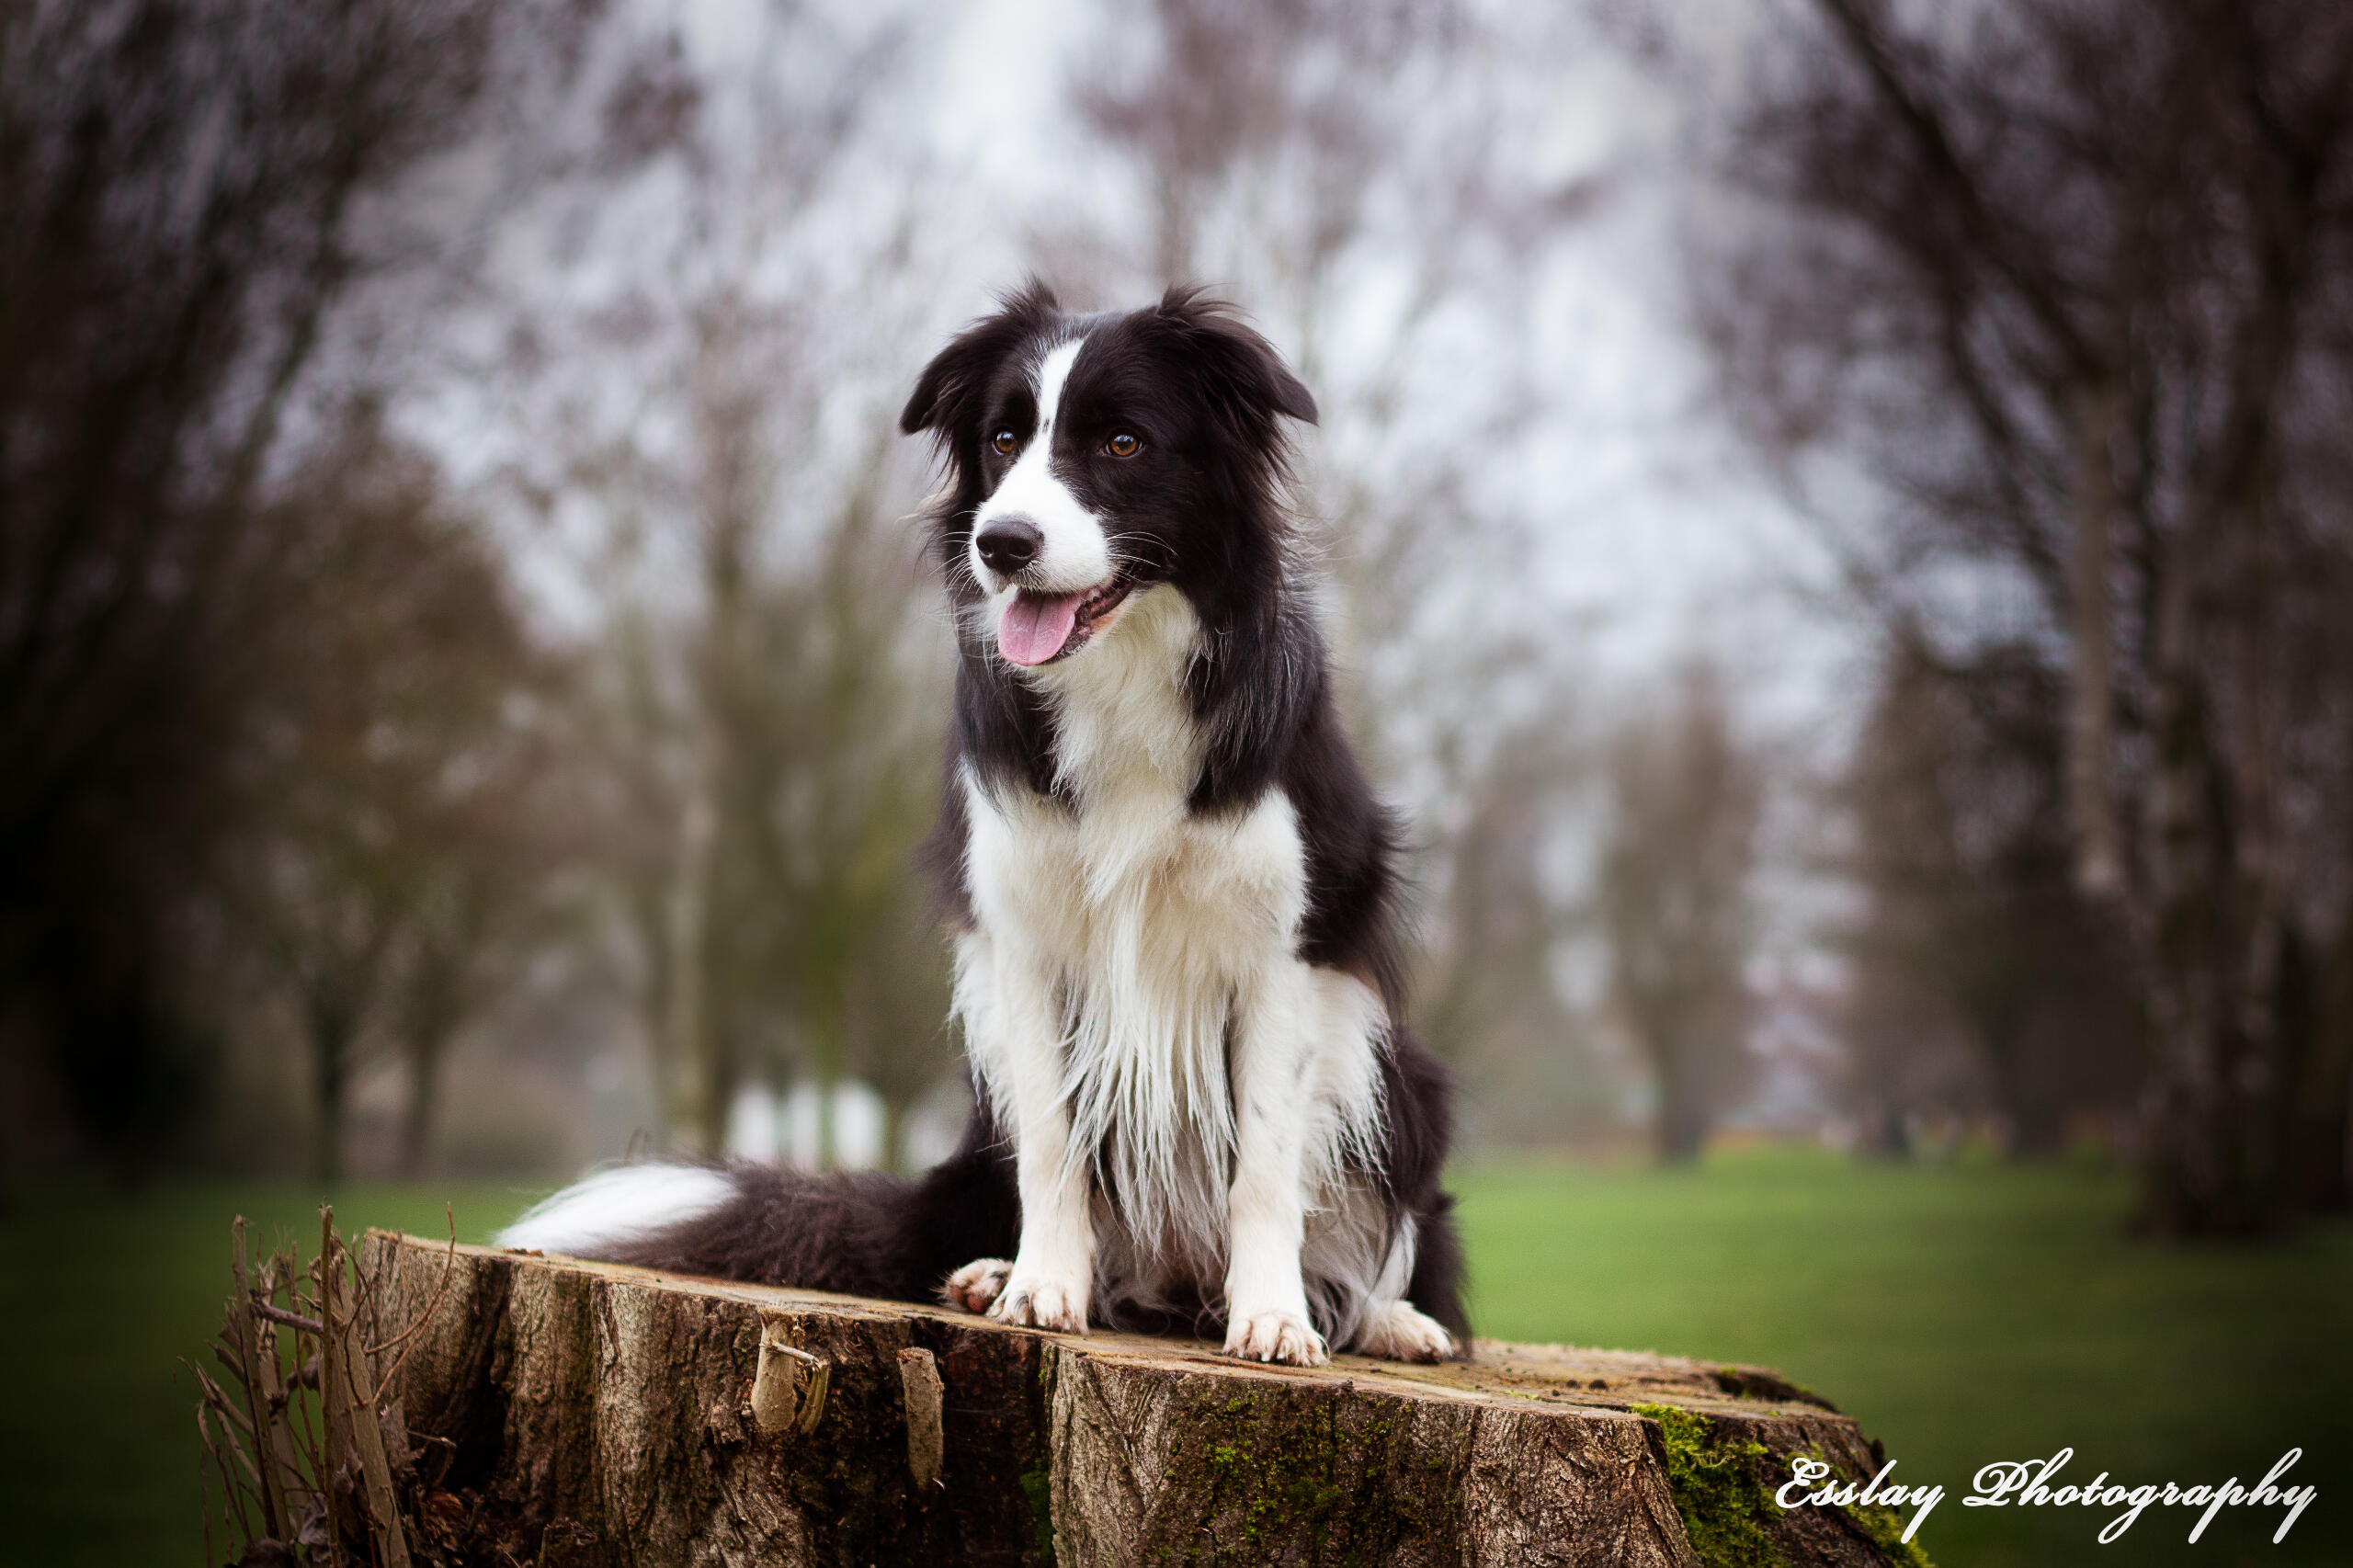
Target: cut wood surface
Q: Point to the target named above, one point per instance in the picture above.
(565, 1413)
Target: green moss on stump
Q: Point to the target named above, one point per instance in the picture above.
(1724, 1489)
(1296, 1475)
(1884, 1526)
(1719, 1487)
(1038, 1488)
(1279, 1485)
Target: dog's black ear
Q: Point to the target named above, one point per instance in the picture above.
(954, 378)
(949, 391)
(1244, 364)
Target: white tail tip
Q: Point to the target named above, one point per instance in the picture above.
(613, 1208)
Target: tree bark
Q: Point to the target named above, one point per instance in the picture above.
(2099, 859)
(577, 1414)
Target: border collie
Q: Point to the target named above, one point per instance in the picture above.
(1172, 896)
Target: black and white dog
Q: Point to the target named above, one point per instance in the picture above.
(1171, 890)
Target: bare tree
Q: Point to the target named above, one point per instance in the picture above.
(1508, 904)
(1971, 941)
(381, 766)
(184, 182)
(772, 685)
(1674, 901)
(499, 840)
(2070, 279)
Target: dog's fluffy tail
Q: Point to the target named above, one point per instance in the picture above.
(863, 1234)
(619, 1208)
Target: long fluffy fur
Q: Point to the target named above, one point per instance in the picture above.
(1229, 744)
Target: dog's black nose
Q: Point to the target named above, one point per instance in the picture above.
(1008, 545)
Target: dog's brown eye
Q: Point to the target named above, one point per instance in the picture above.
(1123, 444)
(1004, 441)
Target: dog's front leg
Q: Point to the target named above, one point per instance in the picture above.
(1274, 1108)
(1006, 1002)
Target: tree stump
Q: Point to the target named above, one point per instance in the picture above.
(579, 1413)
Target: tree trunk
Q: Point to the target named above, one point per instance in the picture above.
(697, 1108)
(2316, 1015)
(2099, 859)
(424, 1055)
(2210, 1167)
(331, 1031)
(1684, 1113)
(578, 1414)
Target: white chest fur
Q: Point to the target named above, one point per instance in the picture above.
(1145, 923)
(1131, 976)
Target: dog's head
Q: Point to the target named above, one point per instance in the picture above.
(1090, 456)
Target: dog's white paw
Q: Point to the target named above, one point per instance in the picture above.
(977, 1284)
(1403, 1332)
(1275, 1335)
(1035, 1300)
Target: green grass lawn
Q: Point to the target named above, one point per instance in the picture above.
(1964, 1314)
(103, 1293)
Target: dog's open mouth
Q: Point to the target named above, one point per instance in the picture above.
(1038, 629)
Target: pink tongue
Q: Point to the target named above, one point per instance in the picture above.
(1034, 629)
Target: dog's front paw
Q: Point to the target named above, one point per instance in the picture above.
(1403, 1332)
(1035, 1300)
(976, 1285)
(1275, 1335)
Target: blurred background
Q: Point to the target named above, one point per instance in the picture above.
(1839, 520)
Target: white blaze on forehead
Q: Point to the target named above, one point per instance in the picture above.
(1076, 554)
(1054, 372)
